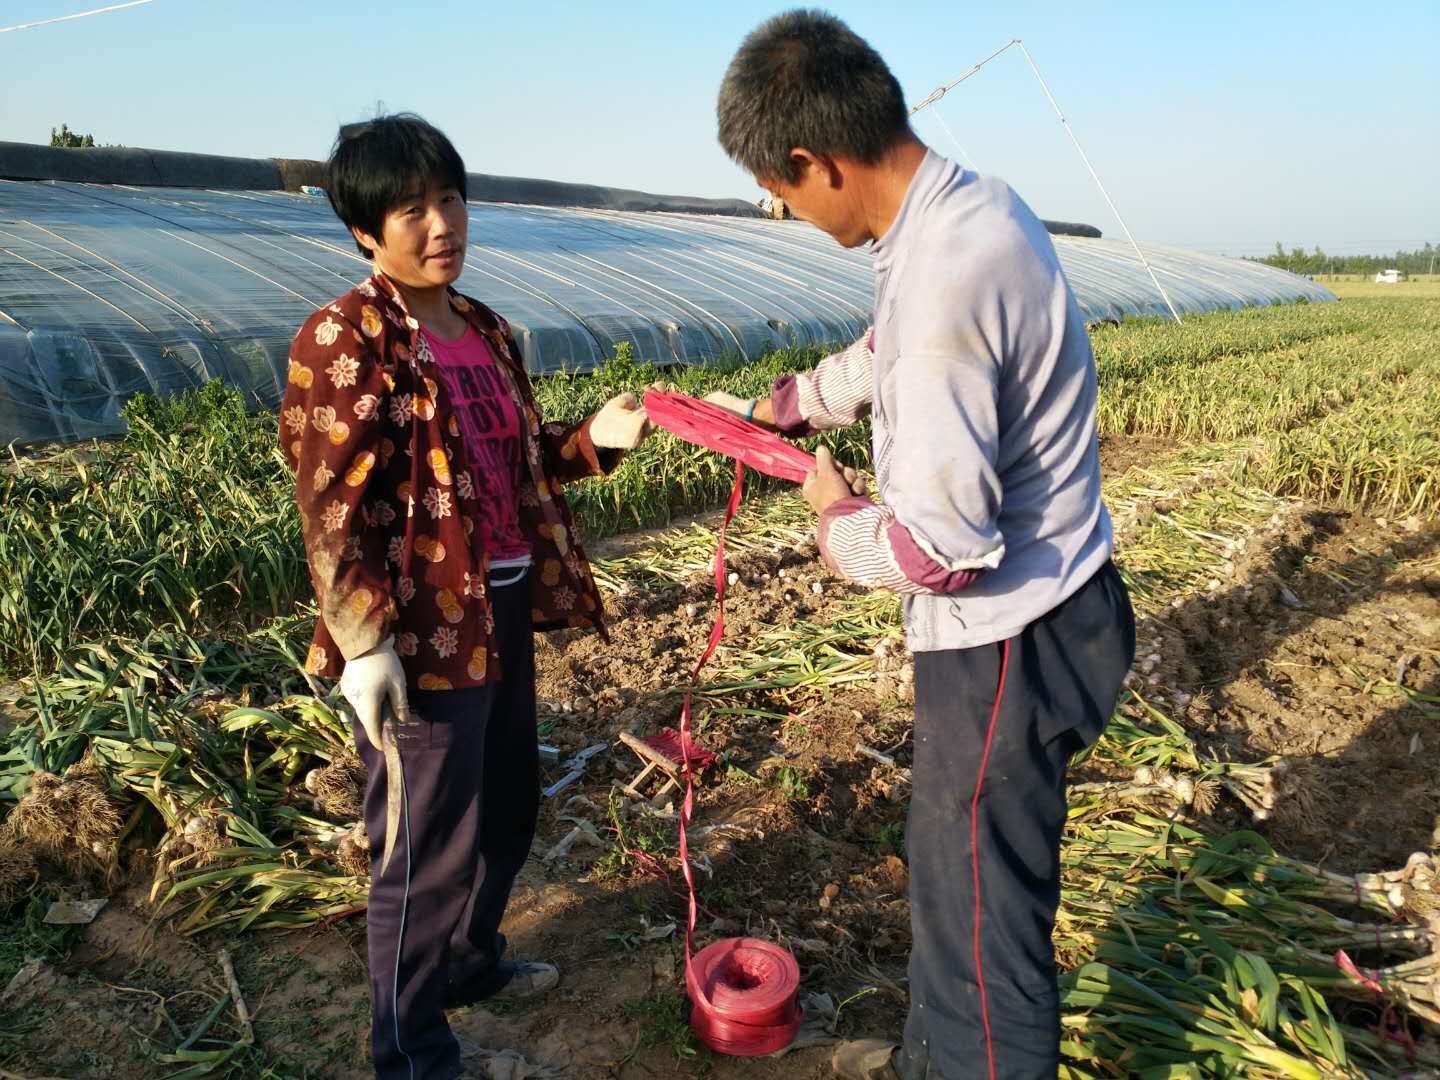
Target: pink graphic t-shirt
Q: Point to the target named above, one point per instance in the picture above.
(490, 426)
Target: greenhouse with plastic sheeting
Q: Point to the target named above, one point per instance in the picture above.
(108, 290)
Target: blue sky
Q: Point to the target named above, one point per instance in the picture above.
(1220, 126)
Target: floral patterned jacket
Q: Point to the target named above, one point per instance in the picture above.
(387, 504)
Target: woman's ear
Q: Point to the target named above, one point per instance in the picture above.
(365, 240)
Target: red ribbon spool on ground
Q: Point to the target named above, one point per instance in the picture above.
(744, 992)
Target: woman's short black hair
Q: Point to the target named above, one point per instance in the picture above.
(376, 163)
(804, 78)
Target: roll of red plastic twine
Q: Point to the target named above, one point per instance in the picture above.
(744, 992)
(744, 996)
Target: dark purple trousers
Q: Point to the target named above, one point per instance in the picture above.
(472, 795)
(983, 999)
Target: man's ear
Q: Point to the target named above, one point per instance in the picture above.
(821, 166)
(365, 239)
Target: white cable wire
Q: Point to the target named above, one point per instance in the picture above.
(1096, 177)
(936, 113)
(77, 15)
(940, 91)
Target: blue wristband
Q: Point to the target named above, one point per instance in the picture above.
(750, 409)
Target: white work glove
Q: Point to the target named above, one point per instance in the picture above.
(368, 681)
(621, 424)
(741, 407)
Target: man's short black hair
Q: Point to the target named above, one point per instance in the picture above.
(804, 78)
(376, 163)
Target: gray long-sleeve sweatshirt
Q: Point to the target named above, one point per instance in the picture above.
(982, 390)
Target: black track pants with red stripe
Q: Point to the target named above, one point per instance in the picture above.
(984, 886)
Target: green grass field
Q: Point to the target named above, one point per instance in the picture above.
(152, 598)
(188, 521)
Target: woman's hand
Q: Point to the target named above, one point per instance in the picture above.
(621, 424)
(368, 682)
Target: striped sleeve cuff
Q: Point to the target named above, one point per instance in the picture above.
(863, 541)
(785, 402)
(835, 394)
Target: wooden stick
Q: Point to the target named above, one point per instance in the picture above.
(633, 787)
(649, 753)
(234, 986)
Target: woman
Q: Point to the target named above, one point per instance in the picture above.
(438, 540)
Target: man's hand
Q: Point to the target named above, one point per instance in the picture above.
(621, 424)
(830, 483)
(368, 682)
(740, 406)
(757, 410)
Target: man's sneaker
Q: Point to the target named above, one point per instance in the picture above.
(482, 1063)
(865, 1059)
(515, 980)
(531, 979)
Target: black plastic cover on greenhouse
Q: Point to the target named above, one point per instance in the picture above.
(110, 290)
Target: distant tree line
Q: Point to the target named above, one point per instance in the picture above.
(69, 139)
(1299, 261)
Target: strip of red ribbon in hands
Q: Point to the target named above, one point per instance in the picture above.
(718, 429)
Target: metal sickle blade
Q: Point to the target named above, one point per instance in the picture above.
(394, 785)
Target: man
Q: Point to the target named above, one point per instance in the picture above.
(980, 381)
(438, 541)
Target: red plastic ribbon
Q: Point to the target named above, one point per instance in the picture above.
(743, 992)
(669, 743)
(750, 988)
(718, 429)
(1348, 966)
